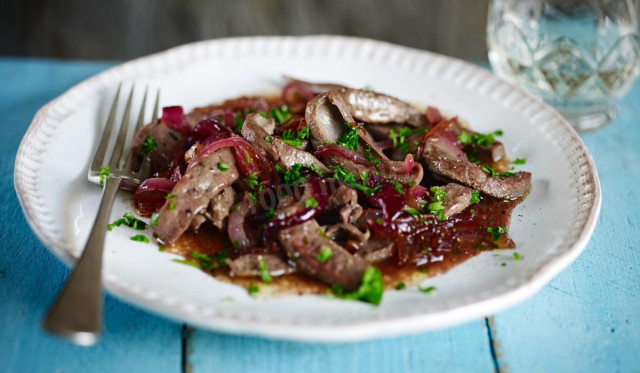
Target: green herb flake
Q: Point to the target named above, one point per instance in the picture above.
(324, 254)
(148, 145)
(370, 290)
(238, 121)
(154, 219)
(268, 139)
(496, 232)
(401, 286)
(253, 289)
(349, 138)
(465, 138)
(394, 138)
(295, 138)
(398, 187)
(130, 221)
(503, 264)
(520, 161)
(169, 196)
(411, 211)
(475, 197)
(371, 157)
(187, 262)
(172, 205)
(311, 203)
(263, 271)
(103, 174)
(427, 290)
(517, 256)
(281, 114)
(173, 136)
(161, 248)
(140, 238)
(252, 180)
(436, 207)
(223, 166)
(350, 180)
(271, 214)
(292, 177)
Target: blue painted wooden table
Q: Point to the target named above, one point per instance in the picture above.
(586, 319)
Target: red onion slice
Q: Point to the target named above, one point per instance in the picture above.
(342, 152)
(174, 118)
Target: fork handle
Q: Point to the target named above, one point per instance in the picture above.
(77, 312)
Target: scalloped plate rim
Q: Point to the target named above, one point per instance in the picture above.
(325, 333)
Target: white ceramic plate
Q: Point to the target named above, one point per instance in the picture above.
(551, 227)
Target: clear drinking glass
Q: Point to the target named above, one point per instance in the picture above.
(579, 56)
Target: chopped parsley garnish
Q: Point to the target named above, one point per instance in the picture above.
(263, 271)
(370, 290)
(172, 205)
(148, 145)
(369, 156)
(517, 256)
(254, 197)
(140, 238)
(503, 264)
(169, 196)
(310, 203)
(316, 170)
(489, 170)
(238, 121)
(479, 138)
(520, 161)
(412, 211)
(400, 138)
(154, 219)
(493, 172)
(349, 179)
(253, 289)
(400, 286)
(475, 197)
(268, 139)
(103, 174)
(187, 262)
(436, 206)
(349, 138)
(130, 221)
(161, 248)
(223, 166)
(465, 138)
(252, 180)
(295, 139)
(398, 187)
(173, 136)
(210, 262)
(271, 214)
(427, 290)
(282, 114)
(324, 254)
(497, 231)
(292, 177)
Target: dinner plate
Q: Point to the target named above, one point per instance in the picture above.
(551, 227)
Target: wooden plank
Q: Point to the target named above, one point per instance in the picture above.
(586, 319)
(460, 349)
(30, 276)
(124, 29)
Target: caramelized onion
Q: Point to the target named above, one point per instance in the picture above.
(174, 118)
(150, 195)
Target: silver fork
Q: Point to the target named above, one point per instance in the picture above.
(77, 312)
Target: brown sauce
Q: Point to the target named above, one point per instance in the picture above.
(488, 213)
